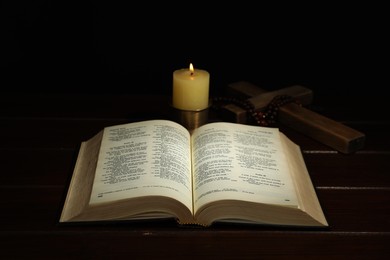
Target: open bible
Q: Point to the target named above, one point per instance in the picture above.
(220, 172)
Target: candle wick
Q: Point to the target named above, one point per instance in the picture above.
(192, 73)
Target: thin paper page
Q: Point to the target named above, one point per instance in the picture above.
(240, 162)
(143, 159)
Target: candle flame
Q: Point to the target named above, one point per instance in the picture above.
(192, 70)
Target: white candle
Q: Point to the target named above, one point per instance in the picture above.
(191, 89)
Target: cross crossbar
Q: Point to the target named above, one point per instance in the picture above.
(325, 130)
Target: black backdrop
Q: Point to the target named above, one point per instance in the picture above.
(106, 47)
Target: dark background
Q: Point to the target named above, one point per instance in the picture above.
(108, 47)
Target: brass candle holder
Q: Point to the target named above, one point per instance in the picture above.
(191, 119)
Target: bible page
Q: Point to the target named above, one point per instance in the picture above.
(143, 159)
(240, 162)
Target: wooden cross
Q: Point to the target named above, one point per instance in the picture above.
(325, 130)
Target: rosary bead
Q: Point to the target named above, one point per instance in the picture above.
(267, 117)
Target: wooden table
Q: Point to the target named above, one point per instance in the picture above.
(40, 138)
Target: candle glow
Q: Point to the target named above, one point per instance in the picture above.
(191, 89)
